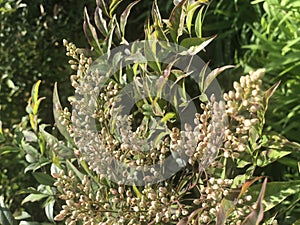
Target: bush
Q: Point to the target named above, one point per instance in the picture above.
(218, 161)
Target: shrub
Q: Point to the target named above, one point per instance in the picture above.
(216, 160)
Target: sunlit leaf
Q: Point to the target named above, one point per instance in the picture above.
(124, 16)
(198, 23)
(176, 21)
(6, 216)
(256, 216)
(49, 208)
(90, 31)
(100, 22)
(193, 50)
(190, 13)
(113, 5)
(213, 74)
(276, 192)
(34, 198)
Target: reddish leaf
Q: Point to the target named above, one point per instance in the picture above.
(256, 216)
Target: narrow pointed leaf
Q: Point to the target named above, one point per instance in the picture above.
(213, 74)
(90, 31)
(100, 21)
(176, 21)
(193, 50)
(6, 216)
(124, 16)
(256, 216)
(113, 5)
(198, 23)
(189, 17)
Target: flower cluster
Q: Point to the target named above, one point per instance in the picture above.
(115, 205)
(107, 140)
(242, 107)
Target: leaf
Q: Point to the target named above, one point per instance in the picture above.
(168, 117)
(33, 198)
(50, 139)
(157, 24)
(113, 5)
(124, 16)
(176, 21)
(213, 74)
(198, 24)
(29, 136)
(100, 21)
(35, 91)
(57, 112)
(194, 41)
(193, 50)
(90, 31)
(8, 149)
(43, 178)
(256, 216)
(190, 13)
(136, 191)
(229, 202)
(101, 4)
(276, 192)
(49, 206)
(269, 156)
(268, 94)
(227, 205)
(75, 170)
(6, 217)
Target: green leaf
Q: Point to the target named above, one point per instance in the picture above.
(43, 178)
(176, 21)
(198, 24)
(157, 24)
(114, 4)
(33, 198)
(268, 94)
(35, 91)
(190, 13)
(8, 149)
(50, 139)
(75, 170)
(213, 74)
(193, 50)
(229, 202)
(269, 156)
(49, 206)
(6, 217)
(136, 191)
(124, 16)
(194, 41)
(100, 21)
(168, 117)
(276, 192)
(90, 31)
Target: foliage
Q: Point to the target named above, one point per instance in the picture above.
(221, 182)
(276, 46)
(30, 37)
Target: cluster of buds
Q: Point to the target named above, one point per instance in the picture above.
(242, 107)
(79, 63)
(101, 133)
